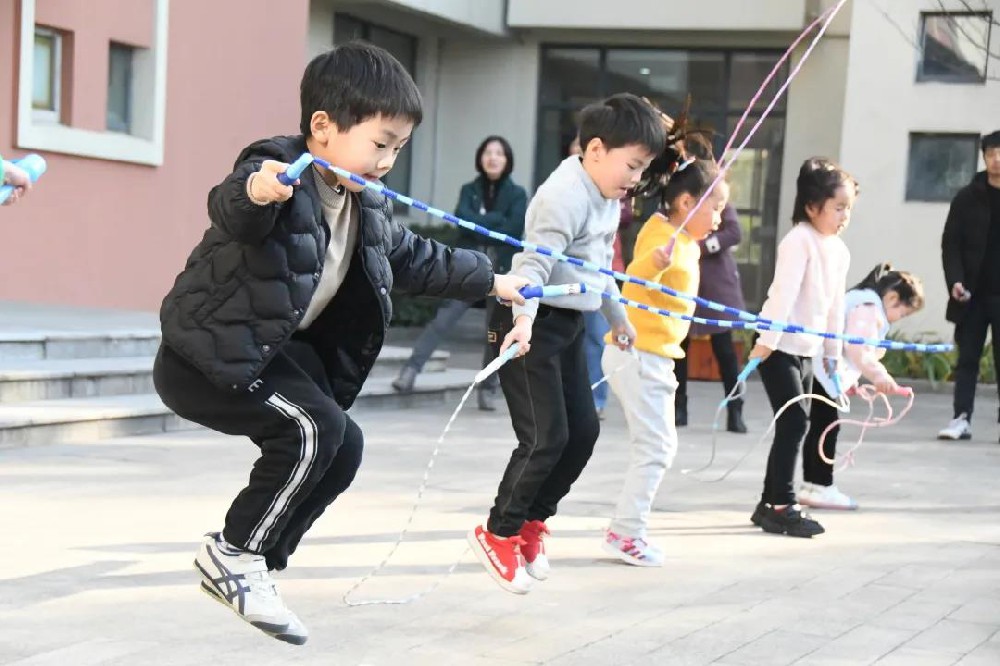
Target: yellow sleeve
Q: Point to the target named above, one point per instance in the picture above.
(645, 267)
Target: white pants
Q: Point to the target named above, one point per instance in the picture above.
(646, 391)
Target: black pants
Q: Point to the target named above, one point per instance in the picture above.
(821, 415)
(552, 410)
(785, 377)
(310, 449)
(970, 336)
(725, 356)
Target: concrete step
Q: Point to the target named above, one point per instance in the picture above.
(60, 344)
(26, 380)
(54, 379)
(94, 418)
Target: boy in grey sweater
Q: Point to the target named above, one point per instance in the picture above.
(547, 388)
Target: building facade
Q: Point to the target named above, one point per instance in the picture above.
(897, 90)
(139, 107)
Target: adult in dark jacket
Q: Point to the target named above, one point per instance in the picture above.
(970, 252)
(493, 201)
(720, 282)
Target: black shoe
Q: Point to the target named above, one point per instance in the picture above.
(790, 521)
(758, 512)
(734, 417)
(680, 411)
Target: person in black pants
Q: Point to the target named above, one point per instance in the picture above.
(970, 247)
(547, 389)
(272, 327)
(808, 290)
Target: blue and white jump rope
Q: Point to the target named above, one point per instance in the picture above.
(746, 320)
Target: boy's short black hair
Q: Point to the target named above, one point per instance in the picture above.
(990, 141)
(818, 181)
(355, 82)
(623, 120)
(507, 151)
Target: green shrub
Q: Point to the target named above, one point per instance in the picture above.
(935, 367)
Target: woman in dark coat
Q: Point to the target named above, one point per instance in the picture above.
(493, 201)
(720, 282)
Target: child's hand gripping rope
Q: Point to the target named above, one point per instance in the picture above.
(33, 167)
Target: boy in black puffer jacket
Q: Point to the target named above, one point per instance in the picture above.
(280, 312)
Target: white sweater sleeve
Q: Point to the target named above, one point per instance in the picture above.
(789, 272)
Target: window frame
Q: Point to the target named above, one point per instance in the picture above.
(129, 90)
(53, 115)
(144, 146)
(953, 79)
(973, 137)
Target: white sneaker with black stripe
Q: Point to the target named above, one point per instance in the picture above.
(240, 581)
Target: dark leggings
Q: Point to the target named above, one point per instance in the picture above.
(785, 377)
(821, 415)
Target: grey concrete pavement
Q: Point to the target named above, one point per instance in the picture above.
(98, 538)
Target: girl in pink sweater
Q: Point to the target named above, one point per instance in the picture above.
(884, 297)
(810, 278)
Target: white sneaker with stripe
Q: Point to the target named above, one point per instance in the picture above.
(241, 582)
(635, 551)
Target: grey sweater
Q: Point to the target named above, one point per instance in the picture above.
(569, 214)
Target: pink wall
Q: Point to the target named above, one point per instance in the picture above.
(112, 234)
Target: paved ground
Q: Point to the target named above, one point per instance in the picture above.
(98, 540)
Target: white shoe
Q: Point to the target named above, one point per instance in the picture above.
(635, 551)
(826, 497)
(959, 428)
(242, 583)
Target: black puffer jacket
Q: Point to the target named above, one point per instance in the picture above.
(249, 281)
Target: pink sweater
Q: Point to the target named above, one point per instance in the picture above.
(810, 278)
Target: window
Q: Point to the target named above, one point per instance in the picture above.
(940, 165)
(119, 113)
(47, 75)
(954, 47)
(721, 83)
(404, 48)
(136, 96)
(668, 77)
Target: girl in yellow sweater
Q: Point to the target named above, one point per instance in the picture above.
(646, 389)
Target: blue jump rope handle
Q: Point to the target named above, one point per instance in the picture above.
(748, 370)
(495, 364)
(295, 169)
(552, 290)
(34, 165)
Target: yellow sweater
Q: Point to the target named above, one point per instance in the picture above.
(657, 334)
